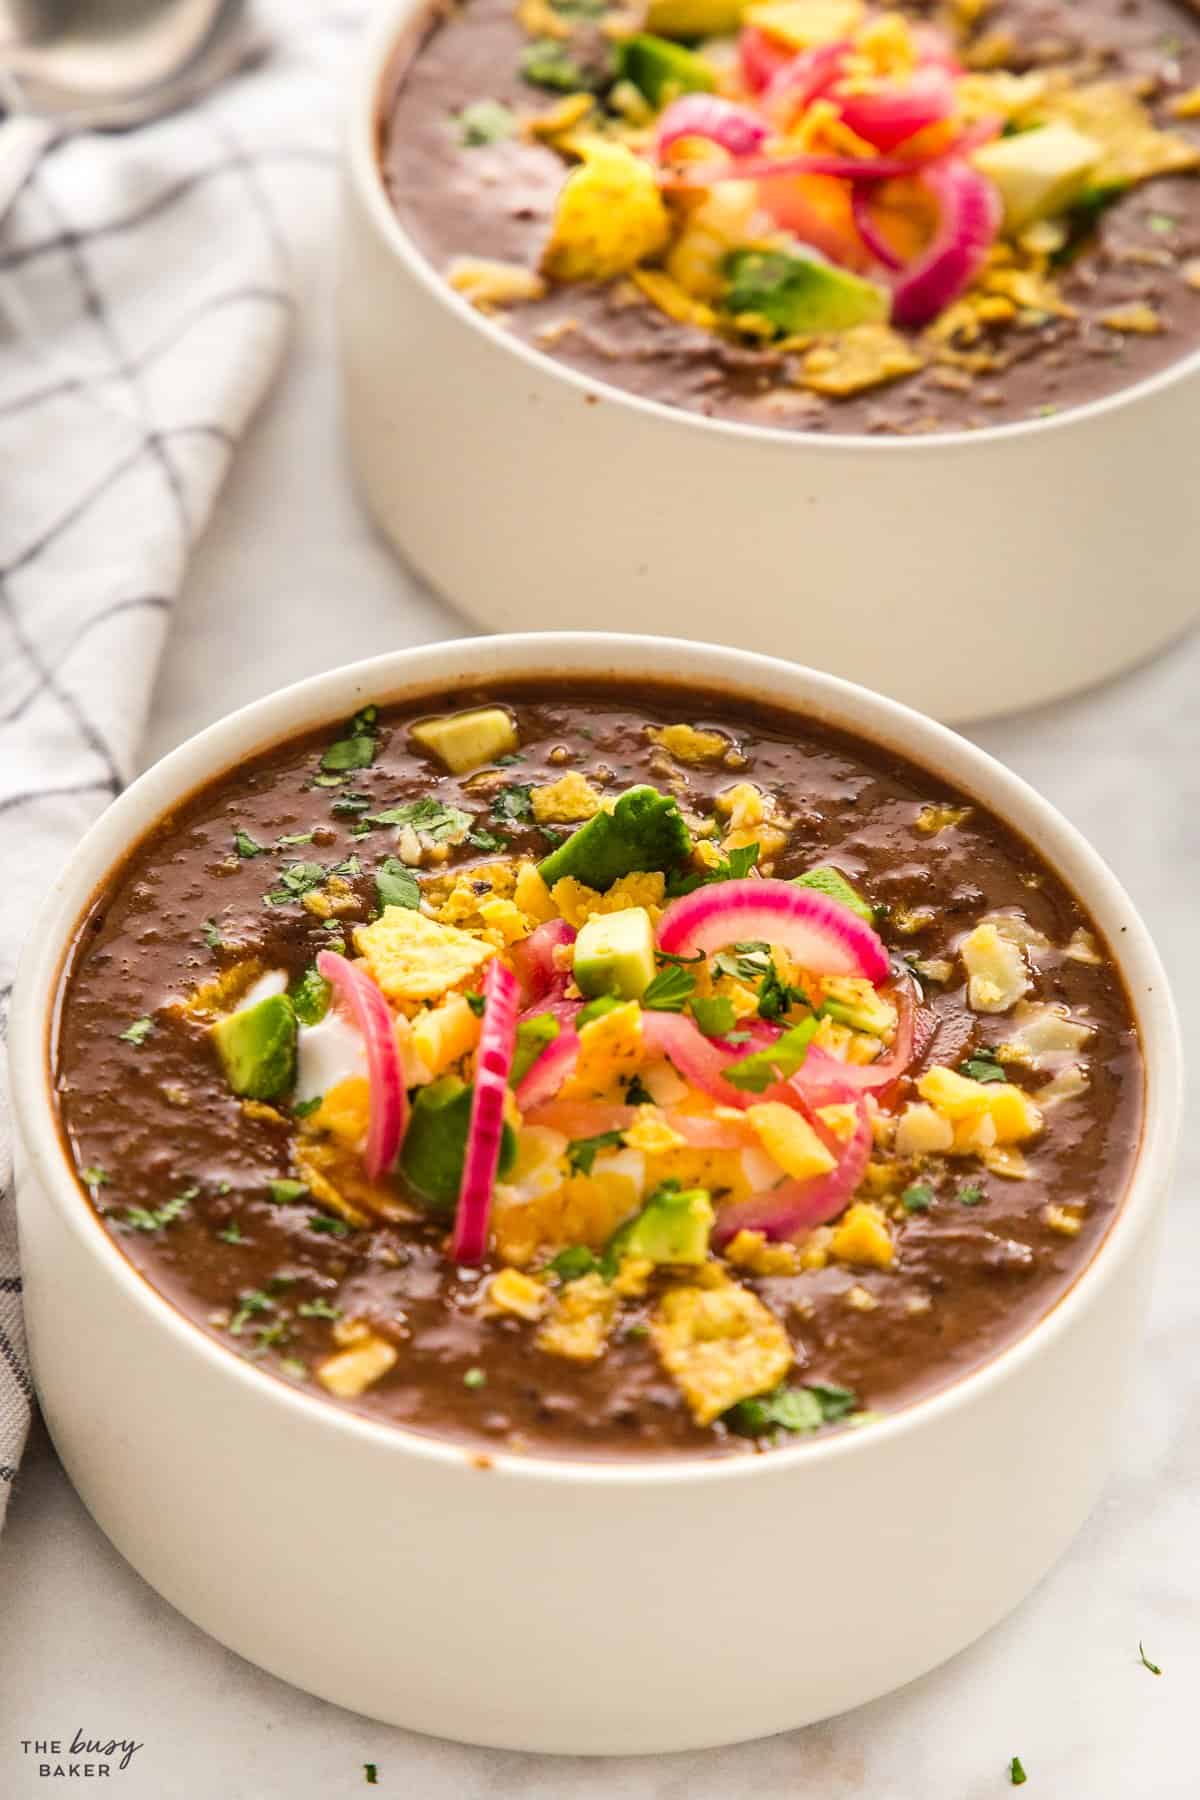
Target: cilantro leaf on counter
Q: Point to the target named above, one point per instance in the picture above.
(371, 1771)
(1145, 1660)
(1016, 1772)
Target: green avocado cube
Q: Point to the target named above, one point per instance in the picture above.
(850, 1003)
(828, 880)
(1040, 172)
(801, 293)
(435, 1143)
(257, 1048)
(614, 954)
(662, 71)
(645, 831)
(672, 1228)
(467, 740)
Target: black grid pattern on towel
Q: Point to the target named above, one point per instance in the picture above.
(145, 287)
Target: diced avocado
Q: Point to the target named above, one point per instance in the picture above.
(799, 293)
(309, 996)
(856, 1004)
(435, 1144)
(662, 71)
(1040, 172)
(643, 832)
(467, 740)
(694, 18)
(595, 1009)
(533, 1035)
(831, 881)
(614, 954)
(672, 1227)
(257, 1048)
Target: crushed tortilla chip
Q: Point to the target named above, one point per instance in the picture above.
(864, 357)
(411, 957)
(609, 217)
(719, 1345)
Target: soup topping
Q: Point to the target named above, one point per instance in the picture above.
(624, 1081)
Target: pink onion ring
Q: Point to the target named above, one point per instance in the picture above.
(485, 1133)
(372, 1015)
(805, 78)
(761, 58)
(543, 1080)
(970, 214)
(732, 127)
(878, 246)
(892, 112)
(824, 1080)
(823, 936)
(796, 1206)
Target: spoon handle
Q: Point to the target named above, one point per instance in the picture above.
(23, 138)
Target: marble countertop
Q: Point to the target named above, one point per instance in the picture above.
(86, 1645)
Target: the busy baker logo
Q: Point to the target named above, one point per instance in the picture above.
(80, 1757)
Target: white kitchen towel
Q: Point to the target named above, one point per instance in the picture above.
(145, 294)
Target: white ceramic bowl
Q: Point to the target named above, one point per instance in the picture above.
(964, 573)
(560, 1605)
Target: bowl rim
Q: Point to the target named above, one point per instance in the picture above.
(361, 156)
(440, 668)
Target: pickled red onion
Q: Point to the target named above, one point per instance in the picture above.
(534, 958)
(970, 213)
(796, 1206)
(864, 224)
(805, 78)
(761, 58)
(551, 1069)
(731, 127)
(485, 1134)
(892, 111)
(821, 935)
(388, 1100)
(823, 1079)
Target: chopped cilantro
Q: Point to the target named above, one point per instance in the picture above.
(486, 840)
(318, 1309)
(295, 837)
(474, 1378)
(351, 803)
(477, 1004)
(212, 934)
(250, 1303)
(428, 816)
(331, 1227)
(506, 761)
(286, 1192)
(1162, 223)
(747, 961)
(301, 1109)
(762, 1068)
(245, 845)
(310, 996)
(232, 1233)
(734, 867)
(582, 1152)
(1016, 1772)
(1145, 1660)
(139, 1218)
(715, 1017)
(982, 1066)
(277, 1332)
(396, 885)
(669, 990)
(576, 1260)
(293, 882)
(357, 749)
(486, 122)
(513, 805)
(138, 1032)
(637, 1093)
(918, 1198)
(93, 1177)
(548, 64)
(291, 1365)
(785, 1408)
(371, 1771)
(971, 1194)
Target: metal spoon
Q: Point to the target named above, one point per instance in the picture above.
(103, 65)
